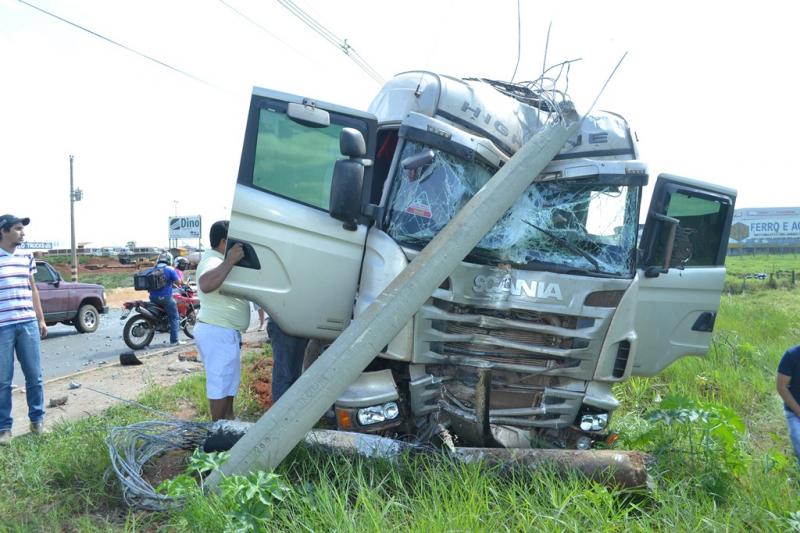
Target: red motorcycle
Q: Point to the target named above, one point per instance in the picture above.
(149, 318)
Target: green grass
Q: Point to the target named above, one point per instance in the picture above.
(67, 259)
(59, 482)
(111, 280)
(777, 267)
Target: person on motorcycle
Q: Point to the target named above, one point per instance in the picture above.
(181, 264)
(163, 296)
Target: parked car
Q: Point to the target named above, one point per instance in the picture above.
(75, 304)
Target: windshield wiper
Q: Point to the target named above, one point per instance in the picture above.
(410, 240)
(573, 247)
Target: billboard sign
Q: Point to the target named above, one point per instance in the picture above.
(184, 227)
(36, 245)
(765, 225)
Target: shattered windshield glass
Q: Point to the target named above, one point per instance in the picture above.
(582, 225)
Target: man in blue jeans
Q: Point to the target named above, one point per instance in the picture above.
(788, 385)
(287, 358)
(21, 326)
(163, 296)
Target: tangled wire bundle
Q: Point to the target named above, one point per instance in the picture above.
(131, 447)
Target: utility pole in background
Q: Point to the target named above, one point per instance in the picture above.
(74, 196)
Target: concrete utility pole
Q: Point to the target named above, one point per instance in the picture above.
(268, 442)
(74, 267)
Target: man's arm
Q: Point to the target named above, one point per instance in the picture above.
(211, 280)
(782, 384)
(37, 306)
(176, 282)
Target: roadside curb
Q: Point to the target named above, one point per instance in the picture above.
(144, 356)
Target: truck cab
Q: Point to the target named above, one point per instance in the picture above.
(521, 344)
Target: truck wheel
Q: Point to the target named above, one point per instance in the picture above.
(88, 319)
(314, 349)
(138, 332)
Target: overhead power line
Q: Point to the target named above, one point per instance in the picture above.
(262, 28)
(128, 48)
(519, 42)
(329, 36)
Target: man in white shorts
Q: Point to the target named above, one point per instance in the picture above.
(220, 323)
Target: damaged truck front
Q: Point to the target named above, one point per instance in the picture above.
(521, 344)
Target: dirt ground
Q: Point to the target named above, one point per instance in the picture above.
(98, 265)
(105, 265)
(92, 391)
(116, 297)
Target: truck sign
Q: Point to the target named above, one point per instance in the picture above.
(185, 227)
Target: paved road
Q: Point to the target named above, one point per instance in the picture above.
(65, 351)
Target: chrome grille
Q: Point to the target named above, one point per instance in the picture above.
(513, 336)
(527, 351)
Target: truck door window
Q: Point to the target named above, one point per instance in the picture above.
(292, 159)
(43, 274)
(698, 236)
(387, 143)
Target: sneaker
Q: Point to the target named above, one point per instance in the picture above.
(5, 437)
(37, 428)
(177, 343)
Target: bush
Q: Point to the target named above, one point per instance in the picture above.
(697, 441)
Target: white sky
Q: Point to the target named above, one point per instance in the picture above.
(710, 88)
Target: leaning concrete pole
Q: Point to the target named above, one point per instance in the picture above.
(271, 439)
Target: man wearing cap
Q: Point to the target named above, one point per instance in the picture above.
(21, 326)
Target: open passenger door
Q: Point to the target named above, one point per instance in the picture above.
(681, 271)
(301, 265)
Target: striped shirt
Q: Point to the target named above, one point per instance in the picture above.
(16, 296)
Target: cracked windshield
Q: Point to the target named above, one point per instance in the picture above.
(580, 224)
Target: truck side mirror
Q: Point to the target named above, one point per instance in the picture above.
(652, 271)
(418, 160)
(348, 179)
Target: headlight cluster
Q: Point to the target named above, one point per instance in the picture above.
(594, 422)
(378, 413)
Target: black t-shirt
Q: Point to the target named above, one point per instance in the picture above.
(790, 366)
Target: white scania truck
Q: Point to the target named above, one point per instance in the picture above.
(521, 344)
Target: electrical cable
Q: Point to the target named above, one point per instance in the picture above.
(265, 30)
(130, 402)
(131, 447)
(329, 36)
(128, 48)
(519, 42)
(603, 88)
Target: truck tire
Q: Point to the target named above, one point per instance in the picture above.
(88, 319)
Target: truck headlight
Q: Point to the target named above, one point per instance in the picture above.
(594, 421)
(378, 413)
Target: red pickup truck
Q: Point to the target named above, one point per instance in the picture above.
(75, 304)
